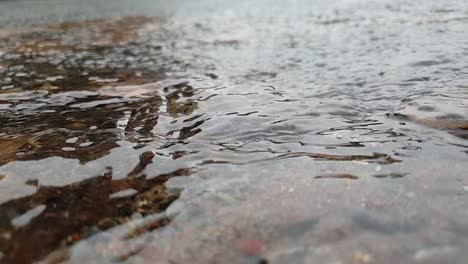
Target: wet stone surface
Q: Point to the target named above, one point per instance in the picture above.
(305, 132)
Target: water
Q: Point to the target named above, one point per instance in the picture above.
(238, 132)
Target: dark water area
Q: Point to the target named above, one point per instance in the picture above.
(233, 131)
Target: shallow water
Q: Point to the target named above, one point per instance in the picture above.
(274, 132)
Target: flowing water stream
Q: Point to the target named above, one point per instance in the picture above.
(234, 131)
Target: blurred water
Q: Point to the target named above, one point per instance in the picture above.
(289, 132)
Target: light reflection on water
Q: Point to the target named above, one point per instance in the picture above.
(312, 138)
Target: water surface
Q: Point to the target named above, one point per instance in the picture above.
(234, 132)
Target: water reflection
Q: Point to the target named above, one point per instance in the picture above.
(61, 101)
(73, 212)
(313, 139)
(87, 126)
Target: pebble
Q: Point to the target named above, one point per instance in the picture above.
(362, 257)
(250, 247)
